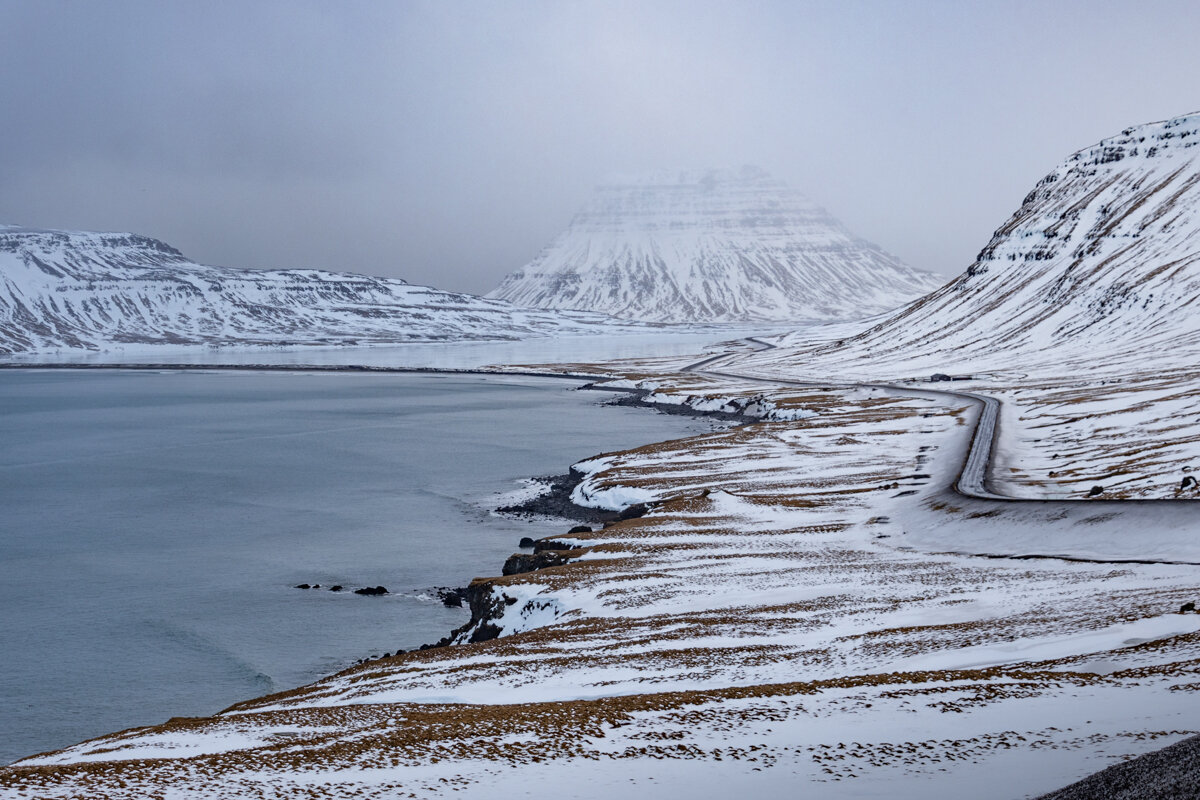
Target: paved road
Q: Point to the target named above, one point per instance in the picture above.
(972, 480)
(974, 477)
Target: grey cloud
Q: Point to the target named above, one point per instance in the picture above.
(448, 142)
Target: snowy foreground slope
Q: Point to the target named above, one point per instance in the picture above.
(809, 607)
(61, 289)
(717, 245)
(772, 625)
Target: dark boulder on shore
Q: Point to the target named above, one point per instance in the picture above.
(556, 502)
(371, 590)
(526, 541)
(335, 588)
(580, 529)
(634, 511)
(303, 586)
(733, 412)
(486, 607)
(550, 544)
(524, 562)
(452, 598)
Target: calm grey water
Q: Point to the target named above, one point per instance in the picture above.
(152, 526)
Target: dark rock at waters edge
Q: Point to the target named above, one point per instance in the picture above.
(371, 590)
(452, 598)
(335, 588)
(519, 563)
(303, 586)
(636, 398)
(557, 502)
(486, 606)
(634, 511)
(486, 600)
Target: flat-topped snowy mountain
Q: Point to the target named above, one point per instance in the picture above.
(61, 289)
(1099, 266)
(712, 246)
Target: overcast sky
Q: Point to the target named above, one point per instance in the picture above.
(448, 142)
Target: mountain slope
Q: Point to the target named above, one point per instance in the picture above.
(1098, 268)
(712, 246)
(1081, 315)
(61, 289)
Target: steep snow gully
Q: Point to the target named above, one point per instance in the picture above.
(972, 482)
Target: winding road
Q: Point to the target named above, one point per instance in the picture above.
(973, 480)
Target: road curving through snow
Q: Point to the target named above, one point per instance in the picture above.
(973, 483)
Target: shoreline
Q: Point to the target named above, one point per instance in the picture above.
(560, 508)
(551, 551)
(299, 368)
(679, 617)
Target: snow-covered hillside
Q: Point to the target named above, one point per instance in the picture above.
(61, 289)
(1098, 269)
(1081, 315)
(717, 245)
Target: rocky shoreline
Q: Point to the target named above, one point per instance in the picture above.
(479, 595)
(556, 501)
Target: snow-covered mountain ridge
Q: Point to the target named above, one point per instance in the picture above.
(714, 245)
(68, 289)
(1099, 268)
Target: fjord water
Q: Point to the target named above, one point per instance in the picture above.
(155, 524)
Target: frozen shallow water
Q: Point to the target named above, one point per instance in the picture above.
(679, 340)
(155, 524)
